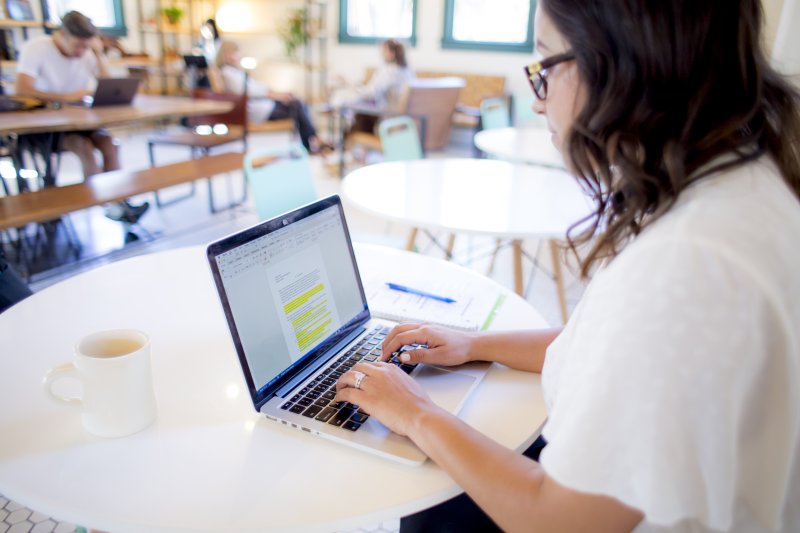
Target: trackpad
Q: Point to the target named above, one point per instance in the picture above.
(446, 388)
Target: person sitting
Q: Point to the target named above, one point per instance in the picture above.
(382, 90)
(264, 104)
(673, 391)
(60, 68)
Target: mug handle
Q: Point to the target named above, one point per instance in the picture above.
(59, 372)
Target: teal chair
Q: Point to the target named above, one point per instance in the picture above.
(524, 115)
(495, 113)
(280, 179)
(400, 139)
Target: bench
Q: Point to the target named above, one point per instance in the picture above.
(478, 88)
(114, 186)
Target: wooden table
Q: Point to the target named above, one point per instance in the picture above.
(145, 108)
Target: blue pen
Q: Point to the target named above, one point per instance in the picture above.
(403, 288)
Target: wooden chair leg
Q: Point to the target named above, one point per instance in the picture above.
(451, 240)
(516, 246)
(497, 245)
(555, 255)
(411, 238)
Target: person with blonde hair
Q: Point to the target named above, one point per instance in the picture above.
(264, 104)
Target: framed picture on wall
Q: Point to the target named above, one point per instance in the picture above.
(19, 9)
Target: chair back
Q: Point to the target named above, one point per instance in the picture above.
(280, 178)
(434, 100)
(495, 113)
(235, 117)
(524, 114)
(400, 139)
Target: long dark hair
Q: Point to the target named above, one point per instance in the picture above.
(671, 86)
(398, 52)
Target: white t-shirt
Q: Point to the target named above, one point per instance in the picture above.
(675, 386)
(385, 85)
(53, 72)
(259, 107)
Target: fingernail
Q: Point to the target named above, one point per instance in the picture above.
(405, 358)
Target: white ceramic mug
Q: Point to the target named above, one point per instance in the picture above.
(114, 370)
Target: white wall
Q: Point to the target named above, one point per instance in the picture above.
(351, 59)
(786, 50)
(253, 24)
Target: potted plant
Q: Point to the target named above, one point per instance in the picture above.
(174, 14)
(293, 32)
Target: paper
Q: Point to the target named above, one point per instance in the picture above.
(473, 309)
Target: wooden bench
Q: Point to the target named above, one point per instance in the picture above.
(52, 202)
(478, 88)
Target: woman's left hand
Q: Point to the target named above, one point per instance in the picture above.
(385, 392)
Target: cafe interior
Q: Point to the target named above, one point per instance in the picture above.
(430, 166)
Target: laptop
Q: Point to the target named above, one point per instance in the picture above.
(295, 306)
(113, 91)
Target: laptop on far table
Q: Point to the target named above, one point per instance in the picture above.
(114, 91)
(299, 319)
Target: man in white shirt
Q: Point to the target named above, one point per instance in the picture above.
(63, 68)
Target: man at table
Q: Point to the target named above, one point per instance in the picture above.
(60, 68)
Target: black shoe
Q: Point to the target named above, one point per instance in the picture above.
(133, 213)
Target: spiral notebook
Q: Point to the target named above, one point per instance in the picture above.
(473, 309)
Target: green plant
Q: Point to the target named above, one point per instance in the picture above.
(174, 14)
(293, 31)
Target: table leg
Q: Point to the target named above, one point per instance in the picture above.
(559, 279)
(411, 238)
(451, 241)
(516, 246)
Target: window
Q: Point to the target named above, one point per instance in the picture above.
(107, 15)
(372, 21)
(499, 25)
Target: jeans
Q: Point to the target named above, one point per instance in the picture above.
(459, 514)
(298, 112)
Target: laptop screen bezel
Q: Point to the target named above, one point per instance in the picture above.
(240, 238)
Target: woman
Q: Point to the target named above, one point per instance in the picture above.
(384, 87)
(386, 83)
(673, 392)
(265, 104)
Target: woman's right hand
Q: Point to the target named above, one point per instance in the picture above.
(446, 347)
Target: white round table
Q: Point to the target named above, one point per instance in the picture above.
(479, 196)
(210, 462)
(520, 145)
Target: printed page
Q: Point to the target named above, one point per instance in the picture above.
(472, 310)
(300, 288)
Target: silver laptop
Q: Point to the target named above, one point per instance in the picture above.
(295, 305)
(113, 91)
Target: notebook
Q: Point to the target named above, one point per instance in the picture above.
(113, 91)
(473, 309)
(298, 316)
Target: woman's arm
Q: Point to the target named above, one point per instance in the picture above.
(522, 350)
(514, 490)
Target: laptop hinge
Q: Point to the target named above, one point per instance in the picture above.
(313, 367)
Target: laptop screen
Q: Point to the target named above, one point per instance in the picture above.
(290, 289)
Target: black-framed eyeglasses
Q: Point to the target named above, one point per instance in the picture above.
(537, 72)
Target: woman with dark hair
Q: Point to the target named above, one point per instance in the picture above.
(673, 392)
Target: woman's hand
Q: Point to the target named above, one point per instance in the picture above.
(387, 393)
(445, 346)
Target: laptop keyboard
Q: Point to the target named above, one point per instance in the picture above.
(316, 399)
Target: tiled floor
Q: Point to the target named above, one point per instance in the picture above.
(189, 223)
